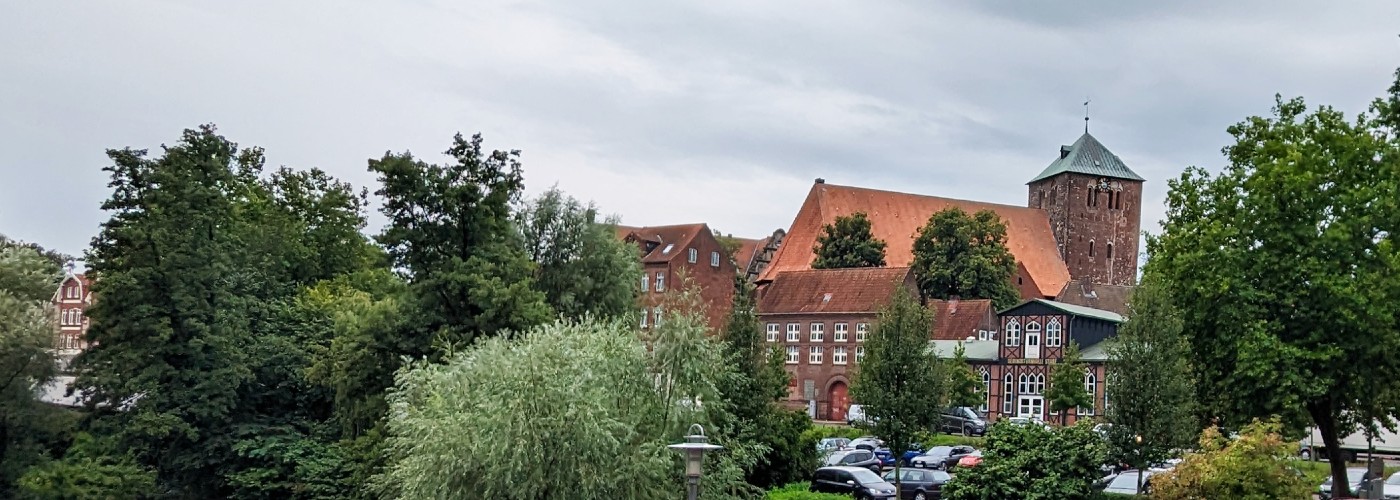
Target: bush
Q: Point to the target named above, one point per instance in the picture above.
(930, 439)
(798, 491)
(1257, 464)
(1033, 463)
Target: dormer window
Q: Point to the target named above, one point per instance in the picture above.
(691, 255)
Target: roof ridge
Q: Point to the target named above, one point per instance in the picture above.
(974, 202)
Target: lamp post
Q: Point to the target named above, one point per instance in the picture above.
(694, 448)
(1143, 463)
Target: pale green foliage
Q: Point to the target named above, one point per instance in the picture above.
(1032, 462)
(580, 264)
(1255, 465)
(1149, 381)
(1067, 384)
(964, 386)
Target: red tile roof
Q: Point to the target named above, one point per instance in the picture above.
(863, 289)
(897, 217)
(960, 319)
(747, 248)
(673, 238)
(1113, 298)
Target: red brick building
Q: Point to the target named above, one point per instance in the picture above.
(70, 302)
(689, 250)
(754, 255)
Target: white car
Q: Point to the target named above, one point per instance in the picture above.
(855, 415)
(1392, 487)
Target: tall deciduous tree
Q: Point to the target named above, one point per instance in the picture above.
(450, 231)
(27, 281)
(1067, 390)
(1284, 267)
(1149, 381)
(962, 255)
(964, 386)
(169, 334)
(900, 383)
(848, 242)
(580, 265)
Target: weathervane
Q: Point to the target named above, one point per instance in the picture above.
(1086, 115)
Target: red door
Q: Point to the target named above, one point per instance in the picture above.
(839, 401)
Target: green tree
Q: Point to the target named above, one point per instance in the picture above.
(1067, 390)
(27, 281)
(900, 383)
(92, 468)
(580, 265)
(1032, 462)
(1256, 465)
(848, 242)
(961, 255)
(1149, 381)
(964, 386)
(1283, 266)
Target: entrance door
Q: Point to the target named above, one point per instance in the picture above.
(840, 401)
(1032, 344)
(1031, 406)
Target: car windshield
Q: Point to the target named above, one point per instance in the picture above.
(1355, 475)
(866, 477)
(834, 458)
(1394, 479)
(939, 451)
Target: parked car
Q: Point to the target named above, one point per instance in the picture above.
(919, 484)
(914, 450)
(855, 481)
(864, 459)
(1357, 478)
(1028, 421)
(855, 415)
(971, 459)
(1127, 483)
(827, 445)
(871, 443)
(963, 420)
(1391, 490)
(941, 457)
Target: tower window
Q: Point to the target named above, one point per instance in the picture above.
(1089, 202)
(1110, 250)
(1119, 203)
(1091, 248)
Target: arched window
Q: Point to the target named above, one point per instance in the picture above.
(1091, 385)
(1110, 250)
(1006, 397)
(1024, 384)
(1013, 332)
(1052, 332)
(986, 387)
(1038, 384)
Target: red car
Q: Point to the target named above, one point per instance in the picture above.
(970, 460)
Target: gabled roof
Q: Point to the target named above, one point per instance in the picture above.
(669, 241)
(1087, 312)
(1106, 297)
(897, 217)
(84, 286)
(747, 249)
(851, 290)
(1088, 156)
(960, 319)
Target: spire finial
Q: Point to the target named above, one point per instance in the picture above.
(1086, 115)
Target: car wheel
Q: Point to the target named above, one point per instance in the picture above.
(875, 469)
(920, 496)
(967, 431)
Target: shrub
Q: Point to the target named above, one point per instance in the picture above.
(1255, 465)
(798, 491)
(1032, 463)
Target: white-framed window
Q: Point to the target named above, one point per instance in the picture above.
(646, 283)
(1023, 384)
(814, 355)
(838, 355)
(644, 317)
(1032, 330)
(840, 332)
(982, 335)
(792, 354)
(793, 331)
(1031, 406)
(1052, 332)
(1007, 399)
(692, 255)
(1031, 384)
(714, 259)
(862, 329)
(860, 353)
(660, 281)
(1013, 332)
(656, 316)
(986, 388)
(818, 332)
(772, 332)
(1091, 386)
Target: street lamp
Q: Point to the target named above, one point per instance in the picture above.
(1138, 438)
(694, 448)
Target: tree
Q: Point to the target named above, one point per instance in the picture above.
(900, 382)
(580, 265)
(450, 232)
(1149, 381)
(27, 280)
(1256, 465)
(964, 386)
(848, 242)
(961, 255)
(1283, 266)
(92, 468)
(1032, 462)
(1067, 390)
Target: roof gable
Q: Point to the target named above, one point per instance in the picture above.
(857, 289)
(897, 217)
(1071, 309)
(1088, 156)
(663, 243)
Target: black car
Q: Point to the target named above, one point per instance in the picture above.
(864, 459)
(919, 484)
(855, 481)
(942, 457)
(963, 420)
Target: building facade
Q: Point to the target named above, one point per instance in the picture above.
(70, 302)
(674, 255)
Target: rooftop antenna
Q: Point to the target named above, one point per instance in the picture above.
(1086, 115)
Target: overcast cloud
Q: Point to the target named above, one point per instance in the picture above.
(720, 111)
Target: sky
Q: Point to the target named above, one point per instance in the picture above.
(667, 112)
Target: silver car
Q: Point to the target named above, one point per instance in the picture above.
(1356, 478)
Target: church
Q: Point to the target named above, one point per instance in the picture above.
(1076, 245)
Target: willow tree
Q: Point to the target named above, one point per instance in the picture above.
(1284, 267)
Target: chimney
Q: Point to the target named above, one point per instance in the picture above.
(821, 180)
(952, 305)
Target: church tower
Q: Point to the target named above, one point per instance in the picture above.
(1095, 206)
